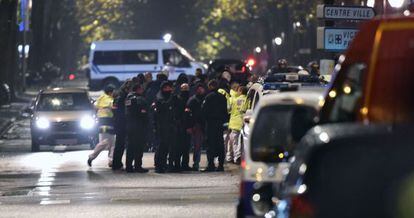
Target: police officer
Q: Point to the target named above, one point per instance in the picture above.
(215, 113)
(183, 139)
(120, 127)
(281, 67)
(164, 125)
(137, 125)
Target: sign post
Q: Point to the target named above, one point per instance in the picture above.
(337, 39)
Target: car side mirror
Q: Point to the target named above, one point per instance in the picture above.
(247, 116)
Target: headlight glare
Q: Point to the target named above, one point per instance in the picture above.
(42, 123)
(87, 122)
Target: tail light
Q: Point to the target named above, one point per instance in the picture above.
(72, 76)
(251, 62)
(301, 208)
(243, 69)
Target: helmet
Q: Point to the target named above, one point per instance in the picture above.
(281, 62)
(313, 64)
(109, 89)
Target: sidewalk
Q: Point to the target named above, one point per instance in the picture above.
(9, 114)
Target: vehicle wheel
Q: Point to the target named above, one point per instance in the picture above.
(35, 146)
(111, 81)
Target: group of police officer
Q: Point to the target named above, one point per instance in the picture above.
(181, 115)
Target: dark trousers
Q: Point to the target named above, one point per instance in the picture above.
(119, 148)
(215, 142)
(183, 144)
(165, 145)
(135, 150)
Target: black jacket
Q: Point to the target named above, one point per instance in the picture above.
(181, 116)
(136, 109)
(194, 109)
(164, 113)
(214, 108)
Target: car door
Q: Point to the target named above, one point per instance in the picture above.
(175, 63)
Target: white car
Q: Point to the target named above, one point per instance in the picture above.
(63, 116)
(277, 124)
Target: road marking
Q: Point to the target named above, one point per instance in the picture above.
(52, 202)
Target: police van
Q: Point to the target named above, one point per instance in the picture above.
(114, 61)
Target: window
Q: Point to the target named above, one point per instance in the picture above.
(140, 57)
(348, 97)
(174, 58)
(125, 57)
(107, 58)
(256, 99)
(64, 102)
(278, 129)
(250, 98)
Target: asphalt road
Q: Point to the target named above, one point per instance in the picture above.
(58, 183)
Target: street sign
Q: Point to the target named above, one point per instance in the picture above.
(335, 39)
(345, 12)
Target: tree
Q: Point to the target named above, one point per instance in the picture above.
(8, 41)
(239, 25)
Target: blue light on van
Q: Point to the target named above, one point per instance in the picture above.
(275, 86)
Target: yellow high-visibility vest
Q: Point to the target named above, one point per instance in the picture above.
(104, 105)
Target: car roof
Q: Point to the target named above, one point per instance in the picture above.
(63, 90)
(312, 98)
(131, 44)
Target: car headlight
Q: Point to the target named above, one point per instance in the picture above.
(87, 122)
(42, 123)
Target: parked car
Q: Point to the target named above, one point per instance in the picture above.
(278, 126)
(348, 170)
(239, 70)
(373, 81)
(63, 116)
(5, 94)
(258, 90)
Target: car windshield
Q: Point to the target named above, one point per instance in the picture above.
(64, 102)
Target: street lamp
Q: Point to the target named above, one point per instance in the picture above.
(396, 3)
(278, 41)
(167, 37)
(258, 49)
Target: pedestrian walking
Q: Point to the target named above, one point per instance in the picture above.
(197, 124)
(106, 127)
(137, 126)
(215, 112)
(120, 127)
(238, 107)
(164, 125)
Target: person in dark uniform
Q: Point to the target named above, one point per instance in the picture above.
(120, 127)
(196, 122)
(214, 110)
(137, 125)
(164, 125)
(183, 139)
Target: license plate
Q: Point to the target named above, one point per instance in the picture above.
(66, 141)
(292, 77)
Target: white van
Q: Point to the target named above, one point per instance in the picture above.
(114, 61)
